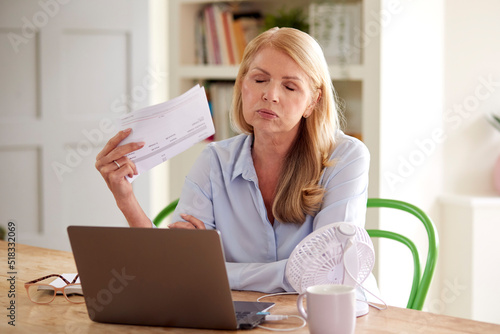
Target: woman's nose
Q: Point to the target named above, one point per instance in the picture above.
(270, 93)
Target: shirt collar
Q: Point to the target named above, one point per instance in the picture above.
(244, 163)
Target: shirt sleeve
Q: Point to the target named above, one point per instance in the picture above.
(267, 277)
(346, 186)
(196, 196)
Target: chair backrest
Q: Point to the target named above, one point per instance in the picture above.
(165, 212)
(421, 283)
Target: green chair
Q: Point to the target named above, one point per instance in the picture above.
(421, 283)
(165, 212)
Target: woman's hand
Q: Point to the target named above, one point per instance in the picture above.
(191, 223)
(113, 165)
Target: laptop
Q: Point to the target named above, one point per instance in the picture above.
(158, 277)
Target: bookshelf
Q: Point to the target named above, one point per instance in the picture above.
(350, 80)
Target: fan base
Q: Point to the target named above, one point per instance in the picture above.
(362, 308)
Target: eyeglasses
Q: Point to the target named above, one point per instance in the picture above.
(44, 293)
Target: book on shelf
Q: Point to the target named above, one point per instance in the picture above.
(337, 28)
(232, 52)
(201, 40)
(212, 41)
(240, 39)
(222, 34)
(220, 96)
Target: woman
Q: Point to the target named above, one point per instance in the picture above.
(291, 171)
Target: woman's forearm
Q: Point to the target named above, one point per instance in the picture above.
(131, 209)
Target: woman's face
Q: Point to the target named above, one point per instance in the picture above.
(275, 94)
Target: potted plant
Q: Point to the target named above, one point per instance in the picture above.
(291, 18)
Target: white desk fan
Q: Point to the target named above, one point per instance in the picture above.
(338, 253)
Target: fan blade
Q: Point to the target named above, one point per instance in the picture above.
(351, 264)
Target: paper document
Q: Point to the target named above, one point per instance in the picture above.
(59, 283)
(168, 128)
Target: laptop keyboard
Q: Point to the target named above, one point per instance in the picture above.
(240, 315)
(248, 320)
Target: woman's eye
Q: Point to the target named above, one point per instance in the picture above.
(259, 80)
(290, 88)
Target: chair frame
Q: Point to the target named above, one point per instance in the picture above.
(421, 283)
(165, 212)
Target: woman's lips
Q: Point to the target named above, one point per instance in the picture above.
(265, 113)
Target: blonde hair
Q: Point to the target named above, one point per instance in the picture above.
(298, 191)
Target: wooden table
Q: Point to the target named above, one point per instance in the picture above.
(61, 316)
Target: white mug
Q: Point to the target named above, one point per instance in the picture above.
(331, 308)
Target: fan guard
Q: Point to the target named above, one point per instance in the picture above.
(319, 257)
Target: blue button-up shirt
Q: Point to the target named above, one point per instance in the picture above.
(222, 190)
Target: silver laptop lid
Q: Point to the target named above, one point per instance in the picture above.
(147, 276)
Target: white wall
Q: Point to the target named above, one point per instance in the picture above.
(469, 270)
(440, 72)
(411, 95)
(158, 27)
(472, 57)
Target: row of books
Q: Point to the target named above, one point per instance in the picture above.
(223, 34)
